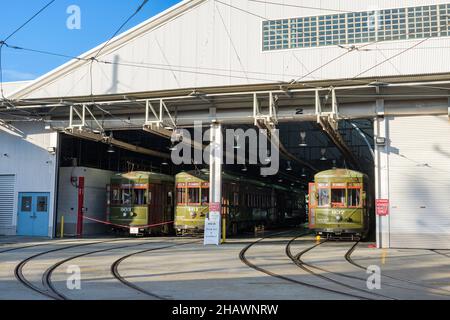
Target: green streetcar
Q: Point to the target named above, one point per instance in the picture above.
(141, 199)
(246, 203)
(340, 204)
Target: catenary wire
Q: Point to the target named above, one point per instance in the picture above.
(2, 42)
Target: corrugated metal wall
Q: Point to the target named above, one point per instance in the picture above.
(419, 182)
(7, 183)
(25, 155)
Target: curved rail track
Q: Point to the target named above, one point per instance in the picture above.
(339, 273)
(34, 245)
(243, 258)
(49, 272)
(18, 270)
(297, 259)
(115, 269)
(348, 257)
(50, 291)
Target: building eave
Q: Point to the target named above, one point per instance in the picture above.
(144, 27)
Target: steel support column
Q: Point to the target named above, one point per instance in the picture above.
(215, 169)
(381, 127)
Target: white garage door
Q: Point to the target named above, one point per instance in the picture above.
(6, 201)
(419, 182)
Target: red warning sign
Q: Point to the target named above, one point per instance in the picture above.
(382, 207)
(214, 207)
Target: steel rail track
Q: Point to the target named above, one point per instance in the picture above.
(348, 257)
(115, 269)
(35, 245)
(243, 258)
(49, 272)
(18, 270)
(350, 276)
(297, 259)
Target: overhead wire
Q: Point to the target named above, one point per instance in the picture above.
(155, 66)
(231, 41)
(94, 58)
(3, 42)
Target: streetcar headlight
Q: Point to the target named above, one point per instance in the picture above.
(338, 218)
(193, 215)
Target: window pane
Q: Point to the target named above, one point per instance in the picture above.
(126, 196)
(181, 195)
(42, 204)
(236, 199)
(194, 195)
(354, 197)
(324, 197)
(338, 197)
(169, 198)
(140, 197)
(26, 204)
(205, 196)
(115, 197)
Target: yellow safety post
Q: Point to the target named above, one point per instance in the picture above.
(62, 227)
(383, 257)
(224, 229)
(318, 238)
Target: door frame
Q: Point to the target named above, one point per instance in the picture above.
(34, 196)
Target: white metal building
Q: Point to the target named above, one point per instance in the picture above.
(382, 60)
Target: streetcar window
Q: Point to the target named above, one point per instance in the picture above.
(126, 196)
(205, 196)
(115, 196)
(354, 197)
(324, 197)
(139, 197)
(194, 196)
(236, 199)
(338, 197)
(169, 198)
(181, 195)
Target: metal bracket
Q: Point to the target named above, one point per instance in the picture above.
(156, 119)
(79, 118)
(270, 118)
(448, 108)
(332, 117)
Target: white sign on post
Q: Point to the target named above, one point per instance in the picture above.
(212, 226)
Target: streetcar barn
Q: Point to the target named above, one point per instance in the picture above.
(235, 150)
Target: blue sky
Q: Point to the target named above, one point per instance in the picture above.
(99, 20)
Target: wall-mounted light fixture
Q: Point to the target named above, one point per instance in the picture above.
(323, 151)
(111, 149)
(51, 150)
(303, 173)
(303, 139)
(289, 167)
(380, 141)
